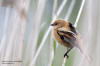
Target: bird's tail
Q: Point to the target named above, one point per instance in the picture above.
(85, 55)
(79, 45)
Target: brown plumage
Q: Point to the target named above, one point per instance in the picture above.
(66, 34)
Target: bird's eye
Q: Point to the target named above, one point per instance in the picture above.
(56, 23)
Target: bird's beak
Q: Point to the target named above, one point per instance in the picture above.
(52, 24)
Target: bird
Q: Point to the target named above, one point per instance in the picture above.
(67, 35)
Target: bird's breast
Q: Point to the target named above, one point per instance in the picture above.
(56, 37)
(59, 40)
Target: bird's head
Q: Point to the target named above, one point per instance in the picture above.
(59, 23)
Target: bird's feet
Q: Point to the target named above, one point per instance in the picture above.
(66, 55)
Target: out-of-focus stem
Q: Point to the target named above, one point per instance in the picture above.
(79, 13)
(46, 34)
(51, 40)
(76, 22)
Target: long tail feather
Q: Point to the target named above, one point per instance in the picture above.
(85, 55)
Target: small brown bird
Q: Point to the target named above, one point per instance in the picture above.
(67, 35)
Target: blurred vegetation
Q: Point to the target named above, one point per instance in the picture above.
(46, 18)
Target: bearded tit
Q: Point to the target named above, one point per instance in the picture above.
(67, 35)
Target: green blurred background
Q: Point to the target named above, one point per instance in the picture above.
(25, 32)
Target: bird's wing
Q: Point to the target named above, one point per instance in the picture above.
(68, 37)
(74, 40)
